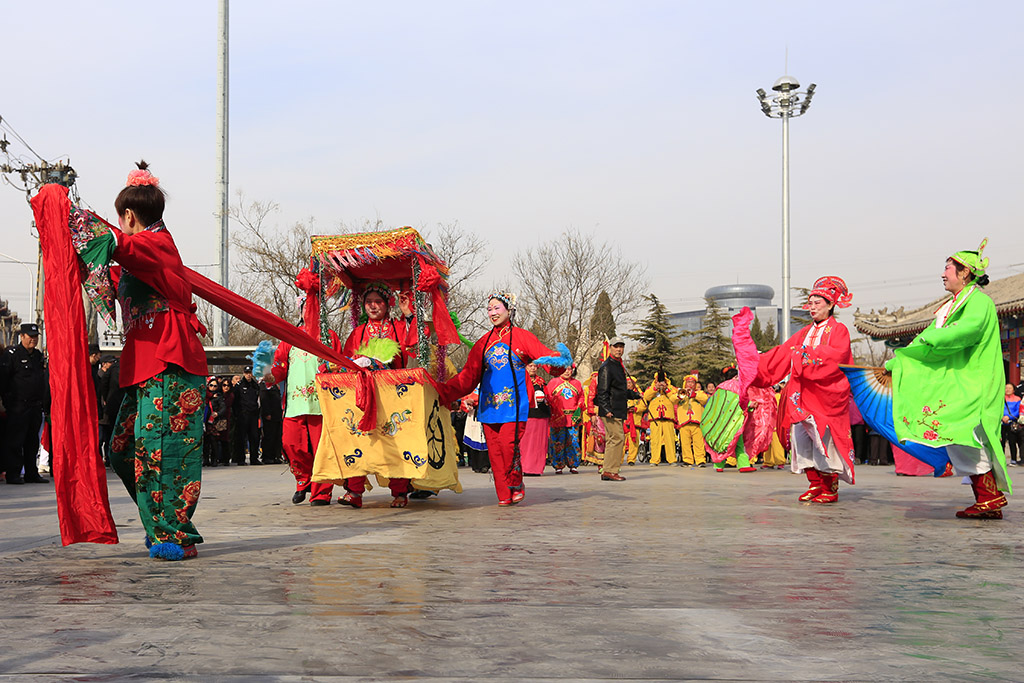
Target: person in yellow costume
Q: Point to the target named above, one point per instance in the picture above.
(661, 398)
(589, 441)
(633, 426)
(688, 414)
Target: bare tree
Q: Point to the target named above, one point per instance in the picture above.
(867, 351)
(467, 256)
(561, 280)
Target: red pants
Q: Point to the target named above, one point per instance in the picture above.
(508, 475)
(399, 487)
(299, 438)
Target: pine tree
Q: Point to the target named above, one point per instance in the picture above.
(710, 350)
(658, 343)
(764, 338)
(602, 322)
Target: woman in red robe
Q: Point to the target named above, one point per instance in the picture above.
(815, 407)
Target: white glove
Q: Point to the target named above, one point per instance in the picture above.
(363, 362)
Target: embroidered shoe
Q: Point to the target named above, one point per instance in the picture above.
(517, 497)
(398, 501)
(351, 500)
(173, 552)
(810, 494)
(974, 513)
(504, 503)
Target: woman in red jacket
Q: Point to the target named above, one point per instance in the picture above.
(497, 362)
(157, 446)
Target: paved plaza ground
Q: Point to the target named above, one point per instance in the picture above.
(675, 574)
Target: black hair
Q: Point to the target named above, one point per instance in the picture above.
(146, 201)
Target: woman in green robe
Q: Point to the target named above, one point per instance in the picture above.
(948, 385)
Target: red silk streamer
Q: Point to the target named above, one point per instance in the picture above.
(83, 509)
(309, 283)
(430, 281)
(277, 327)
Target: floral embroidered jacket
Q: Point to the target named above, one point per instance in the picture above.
(816, 387)
(156, 307)
(299, 368)
(949, 380)
(497, 362)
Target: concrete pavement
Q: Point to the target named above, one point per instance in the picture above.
(674, 574)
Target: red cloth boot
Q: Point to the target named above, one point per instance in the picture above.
(814, 477)
(988, 498)
(829, 489)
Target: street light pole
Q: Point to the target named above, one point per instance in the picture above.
(788, 103)
(220, 327)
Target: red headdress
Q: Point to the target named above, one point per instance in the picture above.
(833, 289)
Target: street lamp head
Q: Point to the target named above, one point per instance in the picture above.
(786, 84)
(761, 94)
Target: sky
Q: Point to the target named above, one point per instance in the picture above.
(634, 121)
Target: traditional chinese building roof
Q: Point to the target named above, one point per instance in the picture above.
(1007, 293)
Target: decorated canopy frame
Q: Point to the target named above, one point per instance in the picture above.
(345, 264)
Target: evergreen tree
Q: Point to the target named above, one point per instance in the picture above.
(764, 338)
(710, 350)
(798, 321)
(602, 322)
(658, 344)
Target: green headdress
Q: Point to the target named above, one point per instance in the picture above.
(972, 260)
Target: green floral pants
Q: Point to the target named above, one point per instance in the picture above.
(157, 451)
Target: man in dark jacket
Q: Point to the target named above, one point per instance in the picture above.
(246, 411)
(113, 394)
(26, 393)
(613, 391)
(271, 416)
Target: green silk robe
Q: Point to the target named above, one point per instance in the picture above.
(947, 385)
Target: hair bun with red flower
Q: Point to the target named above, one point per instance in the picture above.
(142, 176)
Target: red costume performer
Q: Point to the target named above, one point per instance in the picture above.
(815, 407)
(378, 300)
(497, 362)
(300, 430)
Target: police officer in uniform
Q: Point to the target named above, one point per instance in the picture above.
(246, 411)
(25, 388)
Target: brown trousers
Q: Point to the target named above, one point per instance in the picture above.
(615, 440)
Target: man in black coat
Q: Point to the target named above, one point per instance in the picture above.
(113, 394)
(25, 388)
(246, 411)
(272, 415)
(614, 389)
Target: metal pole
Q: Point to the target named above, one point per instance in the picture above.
(220, 332)
(785, 228)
